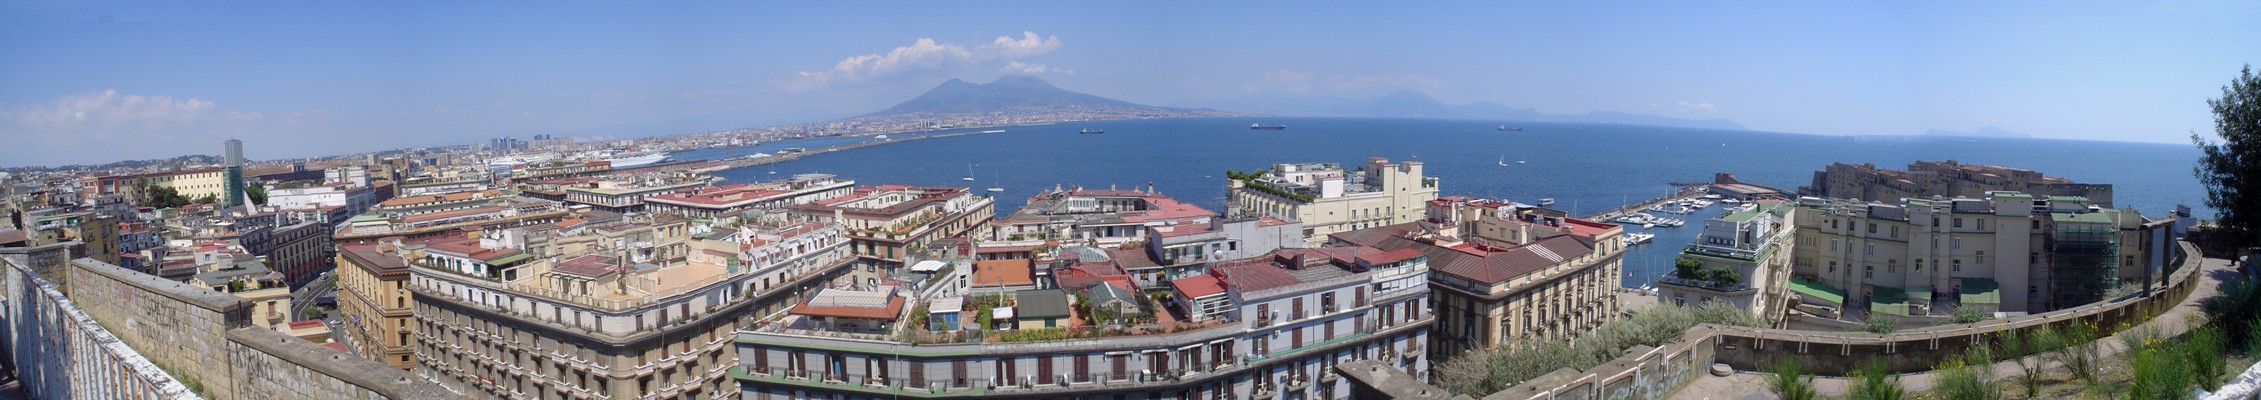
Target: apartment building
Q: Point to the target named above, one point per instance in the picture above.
(1515, 273)
(1326, 199)
(1092, 216)
(1743, 259)
(1275, 329)
(2008, 251)
(597, 325)
(373, 302)
(429, 215)
(729, 200)
(888, 222)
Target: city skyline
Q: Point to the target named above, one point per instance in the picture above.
(96, 84)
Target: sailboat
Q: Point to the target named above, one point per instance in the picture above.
(773, 168)
(969, 174)
(1503, 161)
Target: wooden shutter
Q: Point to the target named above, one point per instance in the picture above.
(1083, 368)
(1044, 369)
(1361, 296)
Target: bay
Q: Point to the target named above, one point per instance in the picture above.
(1584, 167)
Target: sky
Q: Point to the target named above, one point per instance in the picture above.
(96, 82)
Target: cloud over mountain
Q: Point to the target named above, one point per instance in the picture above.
(928, 54)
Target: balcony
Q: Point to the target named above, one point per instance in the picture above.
(1735, 287)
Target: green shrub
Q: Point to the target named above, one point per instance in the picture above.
(1875, 381)
(2160, 371)
(1966, 315)
(1880, 324)
(1482, 372)
(1789, 381)
(1967, 377)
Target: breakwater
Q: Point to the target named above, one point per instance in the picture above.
(1676, 195)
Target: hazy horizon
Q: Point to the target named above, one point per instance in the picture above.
(119, 81)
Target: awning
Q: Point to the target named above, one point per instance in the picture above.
(928, 266)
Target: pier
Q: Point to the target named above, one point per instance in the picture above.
(1685, 192)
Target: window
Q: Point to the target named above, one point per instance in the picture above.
(1958, 242)
(1872, 229)
(1958, 266)
(1919, 265)
(1958, 222)
(1868, 272)
(2037, 224)
(1870, 249)
(1832, 267)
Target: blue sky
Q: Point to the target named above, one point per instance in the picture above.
(91, 82)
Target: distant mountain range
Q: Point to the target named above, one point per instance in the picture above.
(1017, 94)
(1412, 104)
(1981, 132)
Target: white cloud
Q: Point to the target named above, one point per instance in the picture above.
(108, 108)
(1686, 106)
(1021, 68)
(925, 54)
(1305, 82)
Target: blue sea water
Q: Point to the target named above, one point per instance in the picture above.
(1584, 167)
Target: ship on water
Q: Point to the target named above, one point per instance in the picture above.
(632, 160)
(1262, 127)
(1089, 131)
(1504, 127)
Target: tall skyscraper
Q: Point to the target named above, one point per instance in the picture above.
(232, 161)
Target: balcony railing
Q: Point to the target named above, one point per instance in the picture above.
(1705, 284)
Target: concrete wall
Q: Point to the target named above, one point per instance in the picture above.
(202, 338)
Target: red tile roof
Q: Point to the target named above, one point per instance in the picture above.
(893, 309)
(589, 265)
(1488, 267)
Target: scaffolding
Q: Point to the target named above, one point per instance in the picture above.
(2084, 258)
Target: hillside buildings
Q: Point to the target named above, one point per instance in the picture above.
(2007, 251)
(1263, 327)
(1951, 179)
(1326, 199)
(627, 193)
(1503, 272)
(1743, 259)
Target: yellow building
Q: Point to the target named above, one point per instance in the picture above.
(1529, 273)
(374, 306)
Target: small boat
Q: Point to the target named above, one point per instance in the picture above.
(1638, 238)
(1504, 127)
(969, 174)
(994, 131)
(1263, 127)
(1089, 131)
(880, 137)
(1546, 202)
(1503, 161)
(996, 189)
(1518, 161)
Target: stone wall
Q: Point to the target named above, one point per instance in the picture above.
(190, 339)
(181, 327)
(58, 351)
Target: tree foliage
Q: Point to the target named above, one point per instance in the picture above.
(257, 193)
(163, 197)
(2231, 169)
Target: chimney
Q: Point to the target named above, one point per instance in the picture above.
(1150, 186)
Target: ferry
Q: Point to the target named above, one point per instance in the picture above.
(994, 131)
(1504, 127)
(624, 161)
(1263, 127)
(1089, 131)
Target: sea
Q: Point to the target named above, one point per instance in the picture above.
(1585, 168)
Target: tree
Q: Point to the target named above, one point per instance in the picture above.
(1687, 268)
(163, 197)
(257, 193)
(2231, 169)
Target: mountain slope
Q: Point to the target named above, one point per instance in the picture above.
(1412, 104)
(1006, 94)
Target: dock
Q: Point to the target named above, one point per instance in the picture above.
(1685, 192)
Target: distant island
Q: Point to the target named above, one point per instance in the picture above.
(1992, 132)
(1414, 104)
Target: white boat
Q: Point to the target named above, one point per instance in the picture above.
(625, 161)
(880, 137)
(1638, 238)
(969, 174)
(1503, 161)
(996, 189)
(994, 131)
(1546, 202)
